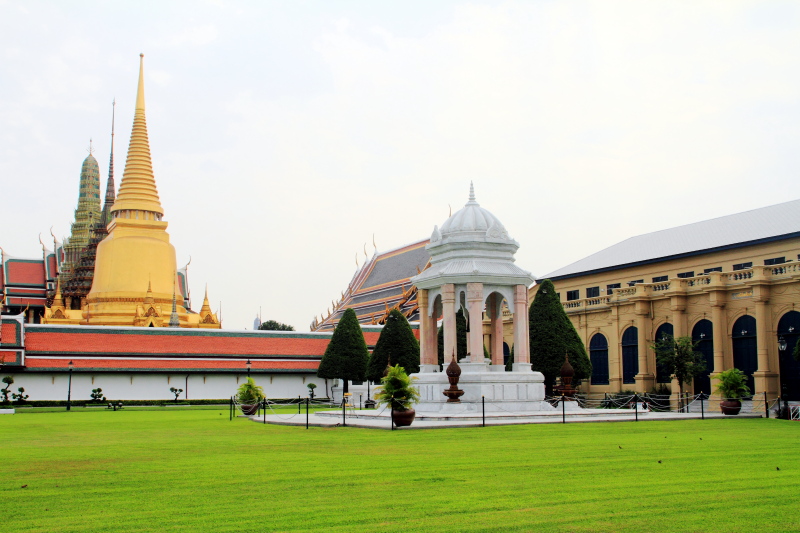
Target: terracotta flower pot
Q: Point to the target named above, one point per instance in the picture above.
(403, 418)
(730, 407)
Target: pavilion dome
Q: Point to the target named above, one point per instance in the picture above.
(472, 223)
(472, 246)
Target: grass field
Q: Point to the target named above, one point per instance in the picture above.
(194, 470)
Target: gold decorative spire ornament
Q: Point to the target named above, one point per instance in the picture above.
(138, 192)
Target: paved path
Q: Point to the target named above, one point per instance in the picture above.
(380, 420)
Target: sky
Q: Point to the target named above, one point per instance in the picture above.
(285, 135)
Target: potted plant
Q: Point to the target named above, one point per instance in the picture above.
(249, 396)
(396, 391)
(311, 387)
(732, 387)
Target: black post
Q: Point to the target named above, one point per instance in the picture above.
(702, 407)
(230, 409)
(344, 418)
(483, 410)
(786, 409)
(391, 415)
(69, 387)
(306, 413)
(636, 405)
(264, 401)
(359, 401)
(766, 405)
(563, 411)
(298, 404)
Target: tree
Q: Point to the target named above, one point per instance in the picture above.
(396, 345)
(8, 380)
(461, 339)
(20, 395)
(346, 356)
(97, 395)
(679, 357)
(552, 337)
(274, 325)
(176, 392)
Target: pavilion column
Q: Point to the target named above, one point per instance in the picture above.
(449, 321)
(424, 330)
(475, 308)
(433, 339)
(521, 339)
(496, 312)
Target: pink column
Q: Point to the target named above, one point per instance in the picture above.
(496, 311)
(521, 340)
(449, 319)
(433, 338)
(424, 327)
(475, 307)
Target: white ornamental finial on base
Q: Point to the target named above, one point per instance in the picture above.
(471, 193)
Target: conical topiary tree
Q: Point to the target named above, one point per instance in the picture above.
(396, 346)
(553, 336)
(346, 355)
(461, 339)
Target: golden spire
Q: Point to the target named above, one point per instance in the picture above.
(138, 192)
(148, 297)
(206, 306)
(58, 301)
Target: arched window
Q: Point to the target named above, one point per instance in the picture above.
(703, 335)
(598, 354)
(663, 375)
(630, 355)
(745, 350)
(789, 330)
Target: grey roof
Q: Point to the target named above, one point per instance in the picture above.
(731, 231)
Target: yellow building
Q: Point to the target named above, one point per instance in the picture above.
(135, 273)
(732, 283)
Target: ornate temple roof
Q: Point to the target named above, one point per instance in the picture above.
(379, 285)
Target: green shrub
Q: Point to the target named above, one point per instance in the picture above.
(396, 346)
(97, 395)
(249, 393)
(552, 336)
(732, 384)
(396, 389)
(346, 356)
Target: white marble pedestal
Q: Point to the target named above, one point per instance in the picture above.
(521, 390)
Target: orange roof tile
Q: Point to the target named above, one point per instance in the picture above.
(25, 272)
(55, 341)
(167, 364)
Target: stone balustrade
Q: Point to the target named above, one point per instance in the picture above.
(681, 286)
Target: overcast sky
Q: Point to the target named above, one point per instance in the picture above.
(284, 134)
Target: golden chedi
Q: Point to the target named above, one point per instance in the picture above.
(135, 272)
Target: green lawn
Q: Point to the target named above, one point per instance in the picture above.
(194, 470)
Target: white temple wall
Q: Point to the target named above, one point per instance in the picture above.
(152, 386)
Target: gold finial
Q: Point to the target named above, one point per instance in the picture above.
(373, 243)
(137, 191)
(91, 149)
(140, 90)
